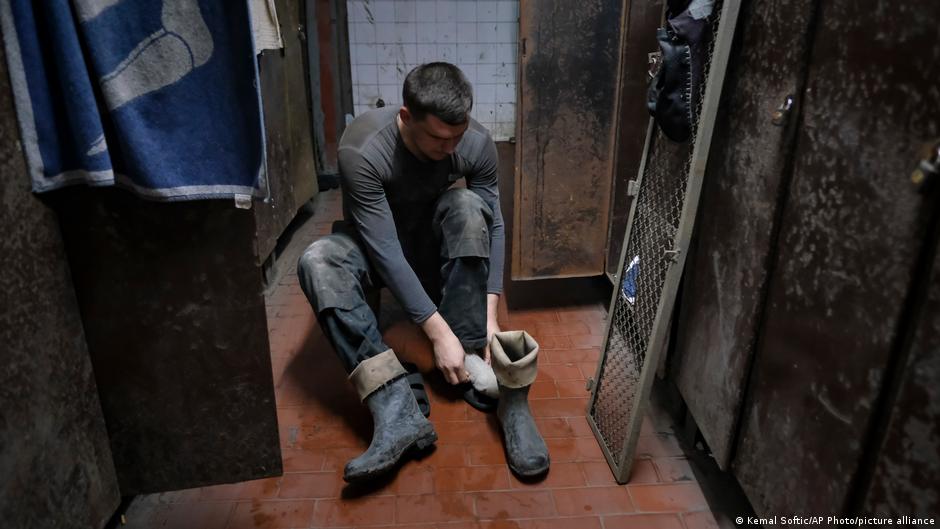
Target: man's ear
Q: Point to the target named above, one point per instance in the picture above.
(405, 115)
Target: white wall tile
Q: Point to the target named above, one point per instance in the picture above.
(390, 93)
(367, 74)
(484, 93)
(411, 54)
(428, 53)
(389, 37)
(487, 11)
(356, 11)
(387, 74)
(405, 10)
(466, 54)
(466, 11)
(470, 72)
(487, 32)
(448, 52)
(368, 93)
(364, 33)
(494, 73)
(506, 32)
(406, 32)
(447, 32)
(506, 93)
(507, 11)
(506, 53)
(382, 10)
(505, 112)
(426, 32)
(447, 10)
(466, 32)
(502, 131)
(486, 53)
(363, 54)
(426, 11)
(389, 54)
(485, 112)
(385, 33)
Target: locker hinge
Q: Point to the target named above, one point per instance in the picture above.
(632, 188)
(590, 384)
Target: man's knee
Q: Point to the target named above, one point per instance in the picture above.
(464, 221)
(460, 200)
(329, 272)
(320, 255)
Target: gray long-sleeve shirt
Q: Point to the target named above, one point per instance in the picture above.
(389, 196)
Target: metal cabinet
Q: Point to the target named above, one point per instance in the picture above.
(570, 58)
(54, 454)
(794, 348)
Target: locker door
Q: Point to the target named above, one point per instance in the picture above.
(851, 232)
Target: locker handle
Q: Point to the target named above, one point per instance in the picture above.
(928, 167)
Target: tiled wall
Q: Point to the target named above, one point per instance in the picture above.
(390, 37)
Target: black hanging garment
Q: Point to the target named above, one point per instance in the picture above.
(675, 89)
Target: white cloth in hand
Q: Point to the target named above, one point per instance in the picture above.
(481, 374)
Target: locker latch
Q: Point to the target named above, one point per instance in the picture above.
(927, 171)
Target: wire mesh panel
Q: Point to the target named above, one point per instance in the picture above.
(656, 241)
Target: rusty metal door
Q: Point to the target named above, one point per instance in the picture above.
(570, 58)
(852, 229)
(899, 475)
(291, 169)
(659, 230)
(171, 304)
(641, 21)
(724, 286)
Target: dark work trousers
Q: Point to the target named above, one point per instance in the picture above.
(336, 276)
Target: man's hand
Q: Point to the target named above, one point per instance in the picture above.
(492, 325)
(448, 352)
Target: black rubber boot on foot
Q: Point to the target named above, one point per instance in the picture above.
(399, 426)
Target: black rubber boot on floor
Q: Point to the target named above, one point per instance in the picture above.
(399, 426)
(525, 448)
(515, 360)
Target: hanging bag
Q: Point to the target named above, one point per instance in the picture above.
(675, 88)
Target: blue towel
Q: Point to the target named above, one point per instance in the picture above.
(160, 97)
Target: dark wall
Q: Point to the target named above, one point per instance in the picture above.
(55, 464)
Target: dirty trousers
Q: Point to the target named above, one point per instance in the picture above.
(337, 277)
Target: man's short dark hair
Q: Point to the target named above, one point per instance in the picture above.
(440, 89)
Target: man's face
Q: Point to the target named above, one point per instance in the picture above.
(434, 139)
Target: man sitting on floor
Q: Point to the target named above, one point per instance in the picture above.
(438, 248)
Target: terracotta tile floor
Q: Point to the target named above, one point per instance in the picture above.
(464, 482)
